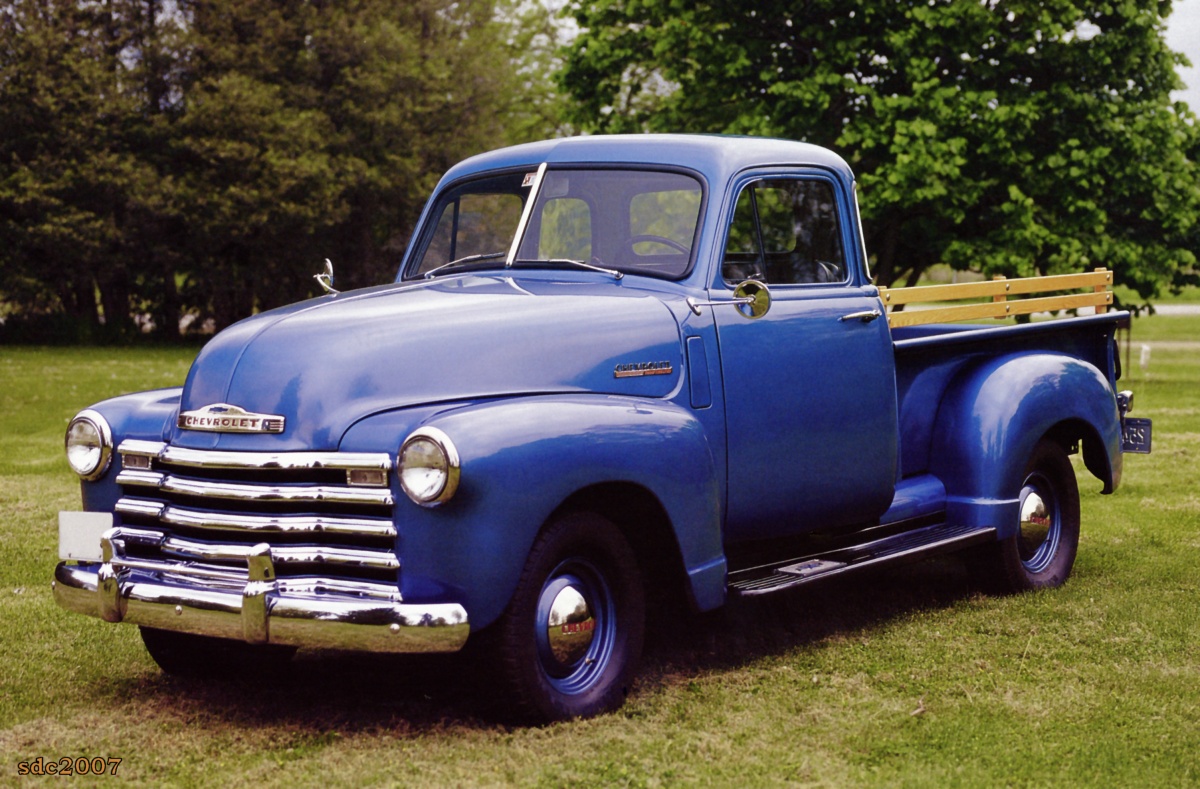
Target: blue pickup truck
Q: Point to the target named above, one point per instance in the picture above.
(609, 367)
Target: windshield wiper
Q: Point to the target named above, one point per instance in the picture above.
(469, 259)
(570, 261)
(464, 261)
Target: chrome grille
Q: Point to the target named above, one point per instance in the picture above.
(205, 512)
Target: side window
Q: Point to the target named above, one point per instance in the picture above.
(565, 229)
(785, 231)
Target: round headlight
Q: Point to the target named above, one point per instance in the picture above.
(429, 467)
(89, 445)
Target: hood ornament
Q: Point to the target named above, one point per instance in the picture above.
(225, 418)
(325, 278)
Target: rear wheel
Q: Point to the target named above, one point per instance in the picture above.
(1041, 553)
(191, 655)
(572, 635)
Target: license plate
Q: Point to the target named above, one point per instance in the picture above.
(79, 535)
(1135, 436)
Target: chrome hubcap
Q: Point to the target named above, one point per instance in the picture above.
(1040, 528)
(575, 626)
(570, 626)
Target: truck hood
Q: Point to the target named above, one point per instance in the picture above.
(324, 364)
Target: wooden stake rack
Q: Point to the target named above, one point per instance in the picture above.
(999, 289)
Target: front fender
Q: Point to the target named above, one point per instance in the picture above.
(992, 416)
(145, 415)
(521, 458)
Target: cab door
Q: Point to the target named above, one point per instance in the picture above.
(810, 387)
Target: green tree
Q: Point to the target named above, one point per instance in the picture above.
(71, 181)
(312, 130)
(204, 156)
(1010, 136)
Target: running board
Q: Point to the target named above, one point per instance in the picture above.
(914, 544)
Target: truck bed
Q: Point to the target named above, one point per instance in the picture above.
(930, 357)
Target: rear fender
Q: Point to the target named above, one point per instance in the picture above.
(992, 416)
(522, 458)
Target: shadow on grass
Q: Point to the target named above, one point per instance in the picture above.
(750, 628)
(324, 691)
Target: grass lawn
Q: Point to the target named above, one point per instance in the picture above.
(907, 677)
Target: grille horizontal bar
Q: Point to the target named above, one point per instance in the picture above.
(234, 491)
(197, 550)
(257, 461)
(315, 525)
(124, 538)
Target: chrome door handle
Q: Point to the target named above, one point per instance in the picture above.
(866, 316)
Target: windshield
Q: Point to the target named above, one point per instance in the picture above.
(634, 221)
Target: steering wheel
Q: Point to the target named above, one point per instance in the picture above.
(653, 239)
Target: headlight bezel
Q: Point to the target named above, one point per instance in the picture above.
(103, 433)
(449, 467)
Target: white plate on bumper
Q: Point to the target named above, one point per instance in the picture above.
(79, 535)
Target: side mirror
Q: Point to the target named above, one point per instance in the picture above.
(753, 299)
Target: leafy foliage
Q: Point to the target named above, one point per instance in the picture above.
(69, 180)
(1009, 136)
(202, 156)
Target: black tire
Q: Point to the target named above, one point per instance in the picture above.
(560, 667)
(191, 655)
(1040, 555)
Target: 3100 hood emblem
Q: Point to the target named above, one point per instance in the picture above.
(225, 418)
(638, 369)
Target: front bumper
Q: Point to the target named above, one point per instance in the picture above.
(265, 609)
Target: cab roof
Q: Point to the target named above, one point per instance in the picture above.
(716, 157)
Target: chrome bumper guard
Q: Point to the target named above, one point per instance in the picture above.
(257, 606)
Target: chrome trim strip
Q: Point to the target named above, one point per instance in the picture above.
(184, 548)
(279, 611)
(140, 508)
(169, 483)
(133, 446)
(173, 515)
(282, 554)
(956, 537)
(257, 461)
(194, 571)
(526, 213)
(234, 579)
(145, 479)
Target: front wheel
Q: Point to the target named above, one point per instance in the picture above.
(1041, 553)
(572, 635)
